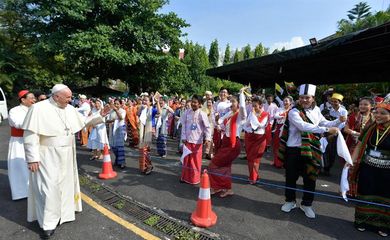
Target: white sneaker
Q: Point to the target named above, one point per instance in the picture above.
(288, 206)
(308, 211)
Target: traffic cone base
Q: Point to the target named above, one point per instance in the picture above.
(204, 222)
(107, 172)
(203, 216)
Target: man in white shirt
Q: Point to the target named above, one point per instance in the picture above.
(302, 155)
(49, 133)
(17, 166)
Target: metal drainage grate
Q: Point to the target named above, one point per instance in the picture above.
(155, 219)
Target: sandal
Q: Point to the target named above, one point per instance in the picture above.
(361, 229)
(93, 158)
(382, 234)
(215, 191)
(226, 193)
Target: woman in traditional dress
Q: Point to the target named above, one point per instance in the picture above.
(162, 126)
(221, 165)
(211, 116)
(147, 113)
(98, 137)
(280, 116)
(255, 137)
(179, 112)
(373, 173)
(132, 124)
(355, 124)
(118, 132)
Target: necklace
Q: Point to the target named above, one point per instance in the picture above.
(67, 129)
(379, 137)
(364, 121)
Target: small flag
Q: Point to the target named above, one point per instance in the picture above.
(290, 87)
(278, 90)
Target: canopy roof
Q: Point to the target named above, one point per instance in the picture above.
(362, 56)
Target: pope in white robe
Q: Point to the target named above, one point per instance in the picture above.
(49, 140)
(17, 166)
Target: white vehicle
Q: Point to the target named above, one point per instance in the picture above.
(3, 106)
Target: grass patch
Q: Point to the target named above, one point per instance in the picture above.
(120, 204)
(168, 228)
(95, 187)
(151, 221)
(187, 235)
(84, 181)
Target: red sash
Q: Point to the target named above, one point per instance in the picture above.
(16, 132)
(263, 115)
(233, 127)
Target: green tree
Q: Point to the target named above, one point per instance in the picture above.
(214, 54)
(259, 50)
(247, 52)
(197, 62)
(237, 56)
(359, 18)
(99, 39)
(227, 57)
(360, 11)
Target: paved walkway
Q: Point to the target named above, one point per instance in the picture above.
(252, 213)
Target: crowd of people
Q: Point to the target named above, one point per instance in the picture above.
(303, 137)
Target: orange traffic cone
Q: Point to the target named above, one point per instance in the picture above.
(203, 216)
(107, 171)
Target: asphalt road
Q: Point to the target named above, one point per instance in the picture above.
(89, 224)
(252, 213)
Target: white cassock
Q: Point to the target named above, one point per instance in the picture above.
(49, 138)
(17, 166)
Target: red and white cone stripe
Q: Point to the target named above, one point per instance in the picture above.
(204, 194)
(106, 158)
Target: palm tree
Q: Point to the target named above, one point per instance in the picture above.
(360, 11)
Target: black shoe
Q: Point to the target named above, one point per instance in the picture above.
(122, 166)
(47, 234)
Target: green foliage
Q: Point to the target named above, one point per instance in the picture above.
(153, 220)
(247, 53)
(259, 50)
(120, 204)
(360, 11)
(360, 18)
(227, 57)
(197, 62)
(85, 40)
(84, 180)
(237, 56)
(214, 54)
(95, 187)
(352, 92)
